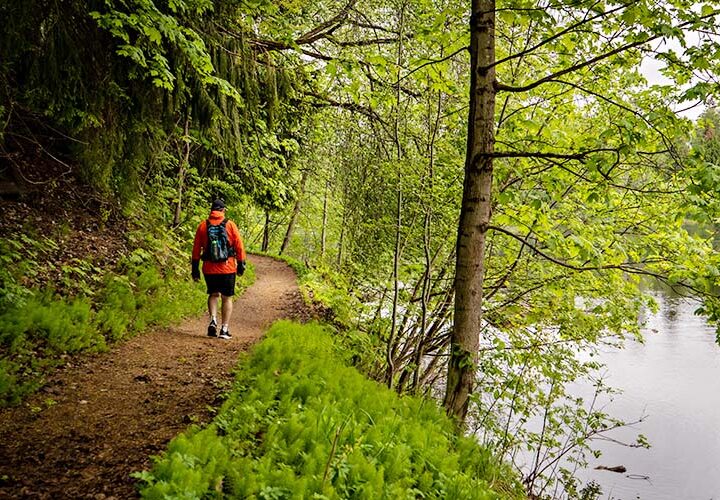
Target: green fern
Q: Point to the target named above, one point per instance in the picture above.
(299, 423)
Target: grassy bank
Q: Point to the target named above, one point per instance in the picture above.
(300, 423)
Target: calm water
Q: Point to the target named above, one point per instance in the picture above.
(673, 380)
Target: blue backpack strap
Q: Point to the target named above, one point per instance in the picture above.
(231, 248)
(206, 251)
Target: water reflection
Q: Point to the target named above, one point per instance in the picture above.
(669, 311)
(671, 379)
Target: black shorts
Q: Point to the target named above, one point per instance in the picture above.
(221, 283)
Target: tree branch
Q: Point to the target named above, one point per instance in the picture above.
(350, 106)
(617, 50)
(666, 140)
(557, 156)
(408, 92)
(325, 29)
(365, 43)
(557, 35)
(628, 267)
(433, 61)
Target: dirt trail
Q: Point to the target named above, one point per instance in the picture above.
(101, 418)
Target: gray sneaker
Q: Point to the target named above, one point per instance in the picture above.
(225, 334)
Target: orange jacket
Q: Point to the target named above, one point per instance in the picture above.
(201, 241)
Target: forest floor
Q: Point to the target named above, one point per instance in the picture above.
(102, 417)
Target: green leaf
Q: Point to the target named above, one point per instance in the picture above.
(153, 34)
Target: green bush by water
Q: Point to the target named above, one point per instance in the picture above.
(300, 423)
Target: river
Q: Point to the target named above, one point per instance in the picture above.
(672, 380)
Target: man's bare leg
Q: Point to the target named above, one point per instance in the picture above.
(213, 305)
(227, 307)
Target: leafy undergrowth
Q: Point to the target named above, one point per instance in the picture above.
(39, 331)
(300, 423)
(325, 292)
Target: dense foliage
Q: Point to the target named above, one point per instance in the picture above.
(149, 96)
(300, 423)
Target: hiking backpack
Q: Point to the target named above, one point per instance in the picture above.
(218, 247)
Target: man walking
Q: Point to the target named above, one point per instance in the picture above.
(218, 243)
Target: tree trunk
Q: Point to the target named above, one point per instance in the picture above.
(427, 229)
(181, 173)
(474, 213)
(341, 242)
(396, 291)
(323, 235)
(398, 212)
(295, 212)
(266, 232)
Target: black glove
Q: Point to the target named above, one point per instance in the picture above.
(241, 268)
(196, 270)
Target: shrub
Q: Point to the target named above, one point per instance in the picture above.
(12, 388)
(36, 330)
(58, 326)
